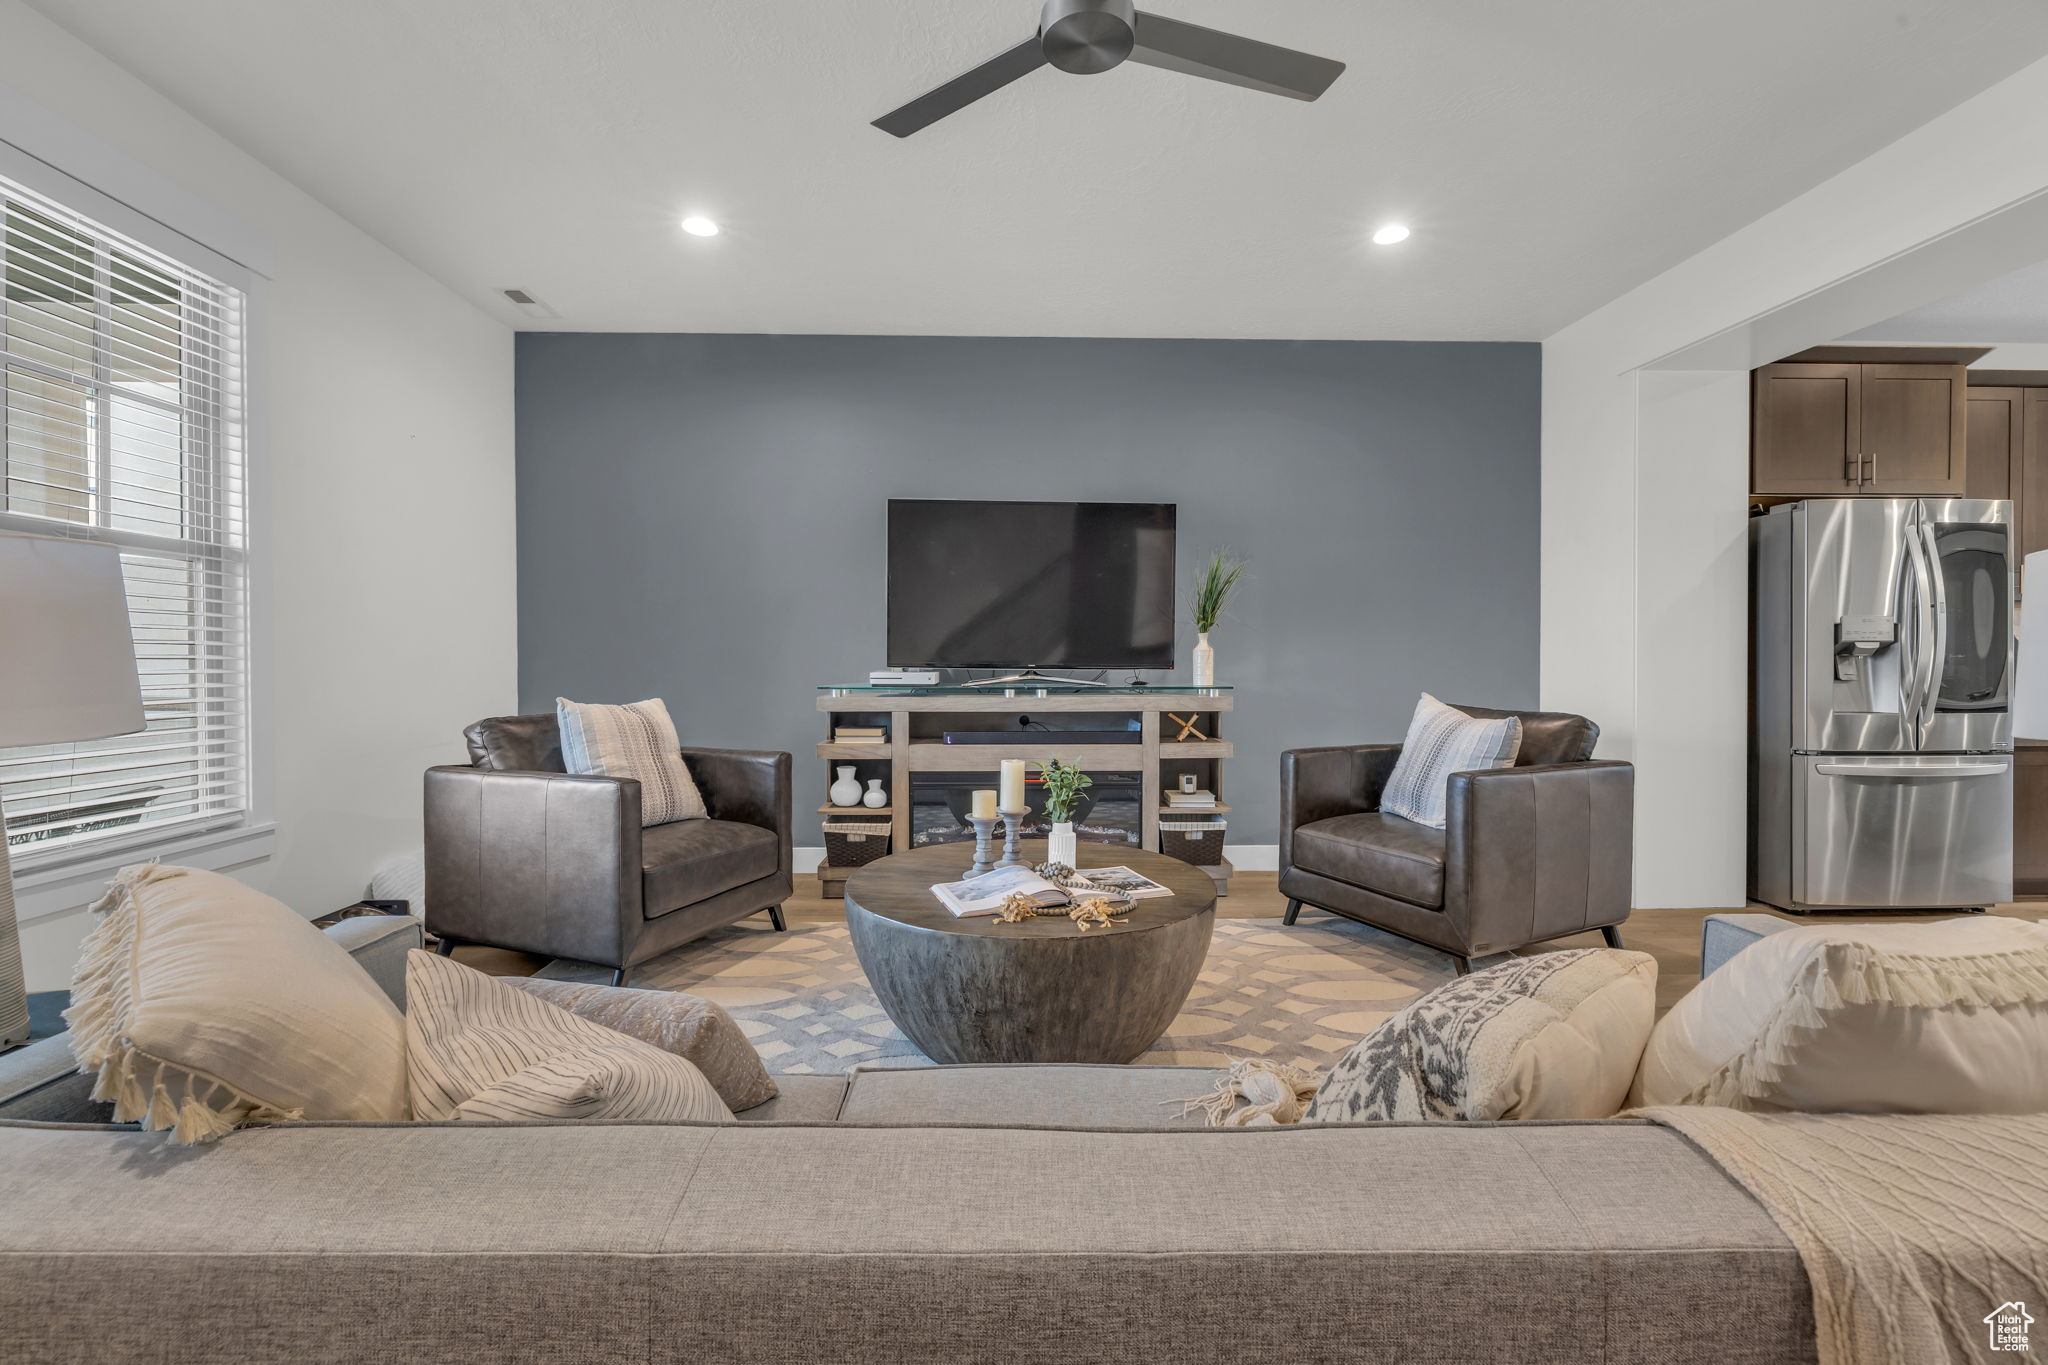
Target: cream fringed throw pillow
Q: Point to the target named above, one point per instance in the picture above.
(636, 741)
(203, 1004)
(478, 1049)
(1554, 1036)
(687, 1025)
(1943, 1018)
(1443, 740)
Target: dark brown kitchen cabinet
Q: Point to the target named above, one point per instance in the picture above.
(2030, 818)
(1838, 429)
(1996, 420)
(2030, 474)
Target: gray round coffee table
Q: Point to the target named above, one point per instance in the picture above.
(977, 990)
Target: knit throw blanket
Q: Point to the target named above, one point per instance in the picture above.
(1918, 1232)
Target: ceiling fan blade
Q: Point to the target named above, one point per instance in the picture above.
(1197, 51)
(956, 94)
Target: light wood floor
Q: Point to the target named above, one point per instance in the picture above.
(1670, 936)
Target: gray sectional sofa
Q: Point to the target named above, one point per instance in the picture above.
(948, 1214)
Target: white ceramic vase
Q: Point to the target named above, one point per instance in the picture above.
(876, 797)
(1060, 844)
(846, 791)
(1204, 662)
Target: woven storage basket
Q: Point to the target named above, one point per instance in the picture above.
(1194, 841)
(855, 843)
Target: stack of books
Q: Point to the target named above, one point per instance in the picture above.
(859, 734)
(1199, 799)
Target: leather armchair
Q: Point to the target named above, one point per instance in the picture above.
(1532, 852)
(522, 854)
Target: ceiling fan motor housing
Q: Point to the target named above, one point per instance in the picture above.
(1086, 37)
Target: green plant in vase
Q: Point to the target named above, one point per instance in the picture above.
(1063, 783)
(1213, 586)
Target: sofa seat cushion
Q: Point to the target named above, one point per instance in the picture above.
(800, 1099)
(1029, 1095)
(693, 860)
(1377, 851)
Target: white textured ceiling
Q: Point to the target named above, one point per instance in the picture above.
(2012, 308)
(1549, 153)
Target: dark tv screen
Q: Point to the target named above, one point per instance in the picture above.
(1030, 584)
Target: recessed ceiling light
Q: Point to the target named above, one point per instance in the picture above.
(1390, 234)
(698, 226)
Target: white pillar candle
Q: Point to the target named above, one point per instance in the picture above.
(1013, 784)
(984, 805)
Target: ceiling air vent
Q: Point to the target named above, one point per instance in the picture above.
(529, 305)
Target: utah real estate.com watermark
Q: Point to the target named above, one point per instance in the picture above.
(2008, 1326)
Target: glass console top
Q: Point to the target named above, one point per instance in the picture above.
(1049, 685)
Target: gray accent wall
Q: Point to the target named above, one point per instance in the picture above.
(702, 518)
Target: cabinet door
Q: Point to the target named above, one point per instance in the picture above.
(1806, 429)
(1995, 422)
(1914, 430)
(2030, 487)
(2030, 819)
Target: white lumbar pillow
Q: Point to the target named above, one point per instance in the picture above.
(478, 1049)
(1942, 1018)
(203, 1003)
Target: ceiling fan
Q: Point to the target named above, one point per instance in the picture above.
(1087, 37)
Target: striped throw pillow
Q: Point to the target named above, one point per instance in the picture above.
(477, 1049)
(1443, 740)
(637, 741)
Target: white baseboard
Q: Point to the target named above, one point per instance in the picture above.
(1243, 857)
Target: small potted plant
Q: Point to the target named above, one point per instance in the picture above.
(1213, 587)
(1063, 783)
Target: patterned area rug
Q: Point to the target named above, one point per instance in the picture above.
(1303, 994)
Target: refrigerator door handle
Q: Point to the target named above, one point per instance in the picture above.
(1910, 770)
(1922, 672)
(1937, 659)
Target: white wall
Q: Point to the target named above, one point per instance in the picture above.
(382, 407)
(1645, 452)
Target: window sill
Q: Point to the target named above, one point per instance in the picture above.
(51, 890)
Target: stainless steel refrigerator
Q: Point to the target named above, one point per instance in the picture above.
(1881, 772)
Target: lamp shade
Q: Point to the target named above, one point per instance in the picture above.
(67, 657)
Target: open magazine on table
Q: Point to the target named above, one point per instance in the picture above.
(984, 895)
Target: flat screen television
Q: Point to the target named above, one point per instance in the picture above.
(1030, 584)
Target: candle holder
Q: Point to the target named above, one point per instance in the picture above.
(1013, 824)
(984, 826)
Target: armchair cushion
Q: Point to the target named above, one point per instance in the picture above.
(693, 860)
(1379, 852)
(636, 741)
(1443, 740)
(516, 744)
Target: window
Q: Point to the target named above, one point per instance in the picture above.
(124, 425)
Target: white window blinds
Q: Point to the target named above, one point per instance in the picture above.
(124, 425)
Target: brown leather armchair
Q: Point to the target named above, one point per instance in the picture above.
(1536, 851)
(522, 854)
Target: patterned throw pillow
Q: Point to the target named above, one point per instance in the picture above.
(636, 741)
(1554, 1036)
(477, 1049)
(1443, 740)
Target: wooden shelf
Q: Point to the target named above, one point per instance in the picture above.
(1205, 748)
(1148, 752)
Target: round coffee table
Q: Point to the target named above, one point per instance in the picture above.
(976, 990)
